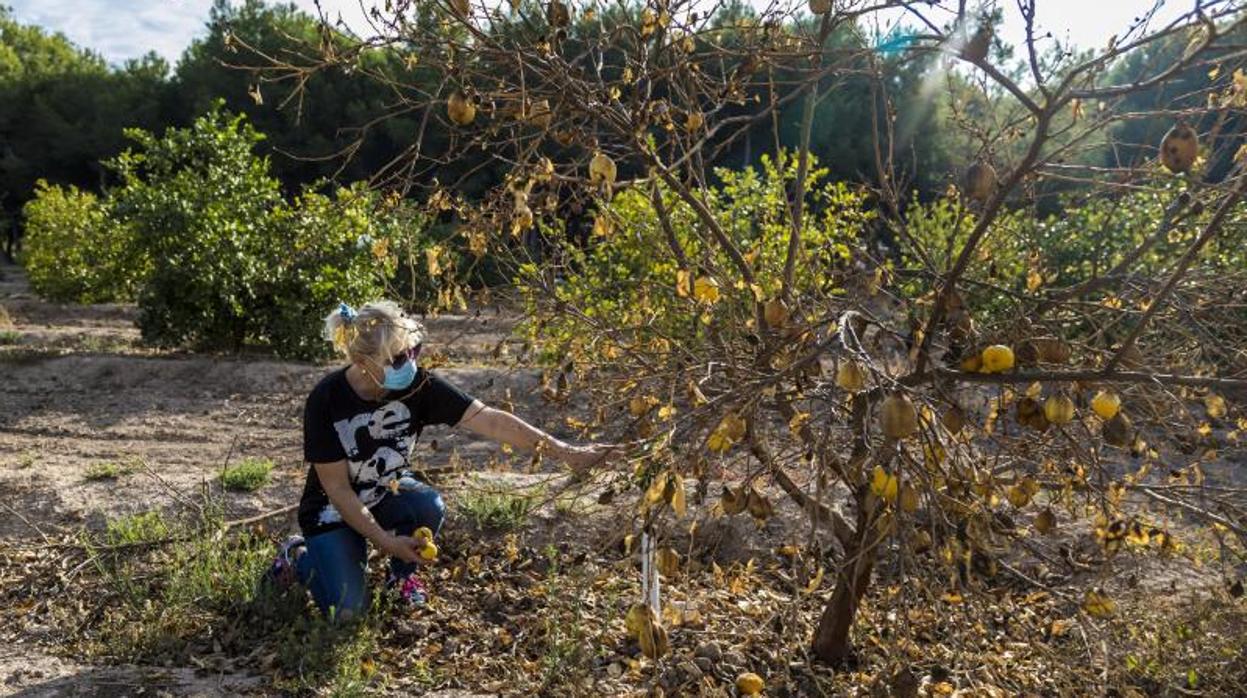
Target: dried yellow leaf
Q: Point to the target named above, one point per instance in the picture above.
(1098, 604)
(683, 283)
(706, 290)
(798, 421)
(884, 485)
(668, 562)
(677, 497)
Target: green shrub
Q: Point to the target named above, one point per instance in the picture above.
(331, 249)
(247, 476)
(623, 283)
(75, 251)
(201, 234)
(233, 264)
(1027, 254)
(169, 599)
(200, 204)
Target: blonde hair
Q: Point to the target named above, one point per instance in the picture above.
(376, 331)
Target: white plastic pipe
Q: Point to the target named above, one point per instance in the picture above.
(649, 574)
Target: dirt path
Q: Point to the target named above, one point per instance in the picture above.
(31, 674)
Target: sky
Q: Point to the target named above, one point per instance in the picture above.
(122, 29)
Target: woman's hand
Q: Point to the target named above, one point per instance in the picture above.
(405, 548)
(581, 458)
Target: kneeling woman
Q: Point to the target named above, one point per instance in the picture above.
(359, 425)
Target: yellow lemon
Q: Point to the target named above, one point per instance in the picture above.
(909, 499)
(1059, 409)
(1179, 148)
(602, 169)
(460, 109)
(980, 181)
(851, 376)
(749, 684)
(1106, 404)
(884, 485)
(637, 620)
(997, 358)
(706, 290)
(775, 312)
(1045, 521)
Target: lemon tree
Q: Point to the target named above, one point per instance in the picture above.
(917, 375)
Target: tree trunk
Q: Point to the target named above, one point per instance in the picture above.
(831, 640)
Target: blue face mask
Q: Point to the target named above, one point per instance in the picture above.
(399, 378)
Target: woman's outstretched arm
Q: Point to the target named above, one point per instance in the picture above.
(503, 427)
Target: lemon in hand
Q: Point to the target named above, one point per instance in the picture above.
(429, 552)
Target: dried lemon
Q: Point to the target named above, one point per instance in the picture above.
(899, 417)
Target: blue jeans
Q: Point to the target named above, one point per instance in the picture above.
(333, 566)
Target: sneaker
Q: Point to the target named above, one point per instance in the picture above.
(410, 589)
(281, 574)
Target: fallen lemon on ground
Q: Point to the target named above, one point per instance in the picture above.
(1098, 604)
(636, 620)
(749, 684)
(644, 626)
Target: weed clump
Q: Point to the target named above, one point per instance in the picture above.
(248, 476)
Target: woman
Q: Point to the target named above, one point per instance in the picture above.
(359, 424)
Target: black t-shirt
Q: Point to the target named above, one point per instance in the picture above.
(373, 437)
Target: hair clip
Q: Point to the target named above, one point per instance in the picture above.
(347, 312)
